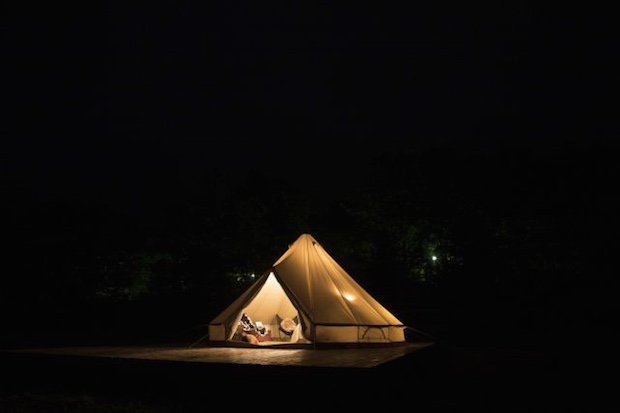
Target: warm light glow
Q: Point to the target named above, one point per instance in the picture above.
(349, 297)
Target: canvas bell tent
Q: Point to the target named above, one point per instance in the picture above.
(306, 297)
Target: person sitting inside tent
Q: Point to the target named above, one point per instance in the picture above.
(249, 331)
(247, 337)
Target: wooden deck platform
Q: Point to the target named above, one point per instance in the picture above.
(267, 356)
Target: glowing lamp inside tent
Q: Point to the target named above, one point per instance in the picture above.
(349, 297)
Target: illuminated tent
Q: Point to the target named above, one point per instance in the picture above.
(306, 297)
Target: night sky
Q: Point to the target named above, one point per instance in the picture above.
(135, 105)
(118, 114)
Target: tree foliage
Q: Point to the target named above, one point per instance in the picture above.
(469, 228)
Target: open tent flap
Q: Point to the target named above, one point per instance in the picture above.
(272, 309)
(296, 334)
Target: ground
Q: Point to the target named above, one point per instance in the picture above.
(436, 377)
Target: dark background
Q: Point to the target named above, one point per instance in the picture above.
(154, 156)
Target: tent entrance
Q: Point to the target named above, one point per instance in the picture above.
(270, 318)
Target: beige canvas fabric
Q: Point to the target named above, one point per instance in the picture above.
(307, 285)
